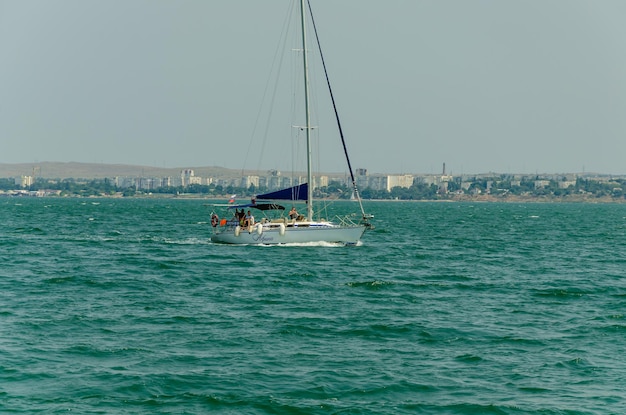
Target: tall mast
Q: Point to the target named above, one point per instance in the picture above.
(309, 196)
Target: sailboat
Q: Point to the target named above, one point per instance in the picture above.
(275, 227)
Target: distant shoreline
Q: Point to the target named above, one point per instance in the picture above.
(456, 199)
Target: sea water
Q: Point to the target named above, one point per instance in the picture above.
(124, 306)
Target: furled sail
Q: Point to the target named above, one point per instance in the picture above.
(298, 192)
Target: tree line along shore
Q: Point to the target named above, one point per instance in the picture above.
(501, 188)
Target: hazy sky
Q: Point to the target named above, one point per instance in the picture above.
(484, 86)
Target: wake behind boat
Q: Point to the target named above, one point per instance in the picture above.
(275, 227)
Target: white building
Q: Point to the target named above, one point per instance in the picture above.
(186, 177)
(248, 181)
(403, 180)
(195, 180)
(567, 183)
(25, 181)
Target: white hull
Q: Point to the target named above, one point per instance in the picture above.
(348, 235)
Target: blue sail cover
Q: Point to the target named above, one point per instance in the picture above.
(260, 206)
(298, 192)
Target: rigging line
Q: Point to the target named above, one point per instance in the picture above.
(332, 98)
(280, 48)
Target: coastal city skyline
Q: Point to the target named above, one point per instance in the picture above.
(120, 180)
(505, 87)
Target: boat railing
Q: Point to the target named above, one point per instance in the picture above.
(347, 220)
(355, 219)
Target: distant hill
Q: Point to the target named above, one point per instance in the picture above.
(53, 170)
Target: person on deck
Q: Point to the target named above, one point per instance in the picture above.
(249, 221)
(293, 213)
(241, 217)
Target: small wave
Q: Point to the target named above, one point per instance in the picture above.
(560, 293)
(469, 358)
(518, 341)
(533, 389)
(168, 265)
(380, 331)
(187, 241)
(59, 280)
(614, 328)
(370, 284)
(29, 230)
(577, 363)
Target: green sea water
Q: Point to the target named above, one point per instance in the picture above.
(124, 306)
